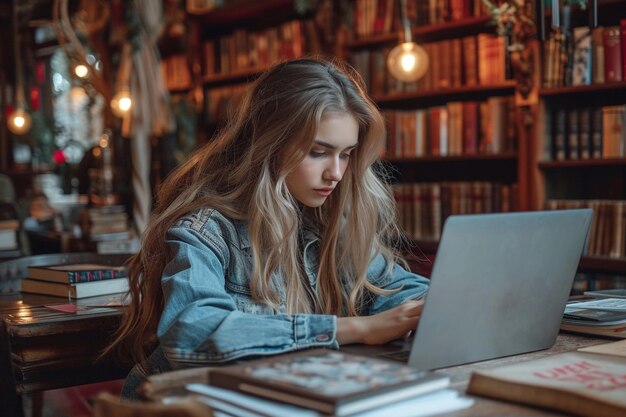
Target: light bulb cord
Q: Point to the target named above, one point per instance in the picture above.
(19, 81)
(406, 25)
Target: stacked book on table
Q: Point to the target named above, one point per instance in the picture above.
(76, 281)
(109, 228)
(596, 316)
(323, 382)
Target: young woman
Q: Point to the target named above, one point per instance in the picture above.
(276, 236)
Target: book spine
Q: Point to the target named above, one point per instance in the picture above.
(612, 54)
(76, 277)
(622, 25)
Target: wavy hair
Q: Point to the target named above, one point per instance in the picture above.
(241, 173)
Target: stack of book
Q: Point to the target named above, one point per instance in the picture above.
(325, 382)
(76, 281)
(601, 316)
(9, 226)
(108, 227)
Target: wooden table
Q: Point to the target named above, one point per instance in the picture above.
(42, 349)
(171, 383)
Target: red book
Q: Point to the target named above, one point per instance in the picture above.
(622, 25)
(470, 128)
(435, 133)
(612, 54)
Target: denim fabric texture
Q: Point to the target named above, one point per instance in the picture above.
(209, 316)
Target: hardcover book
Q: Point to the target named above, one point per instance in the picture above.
(328, 381)
(76, 273)
(581, 70)
(80, 290)
(583, 384)
(612, 54)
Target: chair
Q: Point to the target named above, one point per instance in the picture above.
(93, 332)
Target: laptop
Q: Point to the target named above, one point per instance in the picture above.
(499, 286)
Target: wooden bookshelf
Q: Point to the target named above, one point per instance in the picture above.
(179, 90)
(578, 163)
(428, 248)
(585, 90)
(430, 98)
(603, 265)
(496, 168)
(234, 77)
(245, 13)
(480, 158)
(599, 183)
(428, 33)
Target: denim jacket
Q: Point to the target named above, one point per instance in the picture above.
(209, 317)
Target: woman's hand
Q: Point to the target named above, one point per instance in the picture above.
(380, 328)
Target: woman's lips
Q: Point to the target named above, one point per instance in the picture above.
(323, 191)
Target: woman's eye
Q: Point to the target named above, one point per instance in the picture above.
(316, 154)
(345, 156)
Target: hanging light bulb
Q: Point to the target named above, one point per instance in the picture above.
(19, 122)
(81, 71)
(121, 103)
(408, 61)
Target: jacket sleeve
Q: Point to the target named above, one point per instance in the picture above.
(407, 285)
(201, 323)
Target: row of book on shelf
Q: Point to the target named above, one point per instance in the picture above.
(607, 236)
(472, 60)
(585, 56)
(424, 207)
(372, 17)
(245, 49)
(176, 73)
(458, 128)
(584, 133)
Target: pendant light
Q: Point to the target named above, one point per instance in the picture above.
(121, 103)
(19, 120)
(408, 61)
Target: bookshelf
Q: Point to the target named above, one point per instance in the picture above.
(578, 153)
(471, 174)
(519, 164)
(237, 42)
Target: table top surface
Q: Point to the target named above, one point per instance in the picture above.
(28, 310)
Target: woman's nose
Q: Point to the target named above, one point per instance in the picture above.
(334, 170)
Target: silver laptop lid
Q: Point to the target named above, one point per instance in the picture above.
(499, 286)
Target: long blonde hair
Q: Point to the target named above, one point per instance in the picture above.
(241, 173)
